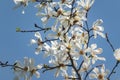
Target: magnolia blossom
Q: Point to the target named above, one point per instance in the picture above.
(86, 65)
(97, 29)
(59, 33)
(94, 51)
(117, 54)
(38, 42)
(21, 69)
(60, 61)
(86, 4)
(26, 70)
(99, 74)
(34, 69)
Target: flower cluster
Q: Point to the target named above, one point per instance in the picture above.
(68, 43)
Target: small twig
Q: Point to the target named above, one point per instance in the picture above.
(9, 65)
(113, 70)
(47, 68)
(50, 40)
(109, 42)
(37, 26)
(80, 65)
(30, 30)
(73, 65)
(73, 78)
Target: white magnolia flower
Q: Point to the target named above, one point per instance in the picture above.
(38, 42)
(59, 33)
(86, 65)
(94, 51)
(86, 4)
(97, 29)
(34, 69)
(99, 74)
(60, 60)
(22, 69)
(117, 54)
(27, 69)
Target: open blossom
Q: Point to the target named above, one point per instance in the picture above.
(21, 69)
(86, 4)
(27, 69)
(97, 29)
(38, 42)
(59, 60)
(86, 65)
(99, 74)
(94, 51)
(117, 54)
(34, 69)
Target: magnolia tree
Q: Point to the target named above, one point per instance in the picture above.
(67, 42)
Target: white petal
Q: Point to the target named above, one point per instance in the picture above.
(93, 46)
(96, 70)
(101, 58)
(93, 61)
(23, 12)
(37, 34)
(57, 73)
(26, 61)
(39, 66)
(103, 69)
(92, 76)
(117, 54)
(31, 60)
(33, 41)
(92, 1)
(18, 1)
(101, 34)
(98, 51)
(98, 22)
(44, 19)
(37, 74)
(100, 28)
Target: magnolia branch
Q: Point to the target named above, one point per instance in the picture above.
(9, 65)
(36, 26)
(109, 42)
(113, 70)
(73, 65)
(47, 68)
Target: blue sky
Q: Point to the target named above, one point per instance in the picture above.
(14, 46)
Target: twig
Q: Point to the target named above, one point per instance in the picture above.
(113, 70)
(47, 68)
(80, 65)
(73, 65)
(109, 42)
(9, 65)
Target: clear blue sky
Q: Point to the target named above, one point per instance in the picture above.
(14, 46)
